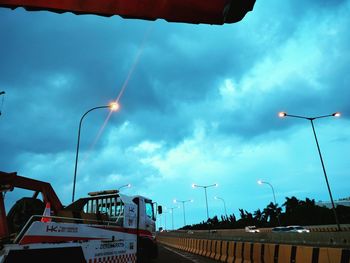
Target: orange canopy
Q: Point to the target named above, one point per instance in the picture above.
(185, 11)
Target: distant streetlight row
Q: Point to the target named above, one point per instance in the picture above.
(114, 106)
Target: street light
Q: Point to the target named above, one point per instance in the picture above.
(274, 197)
(219, 198)
(311, 119)
(2, 102)
(183, 207)
(113, 106)
(172, 215)
(126, 185)
(205, 191)
(273, 191)
(164, 213)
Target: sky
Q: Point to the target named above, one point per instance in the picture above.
(198, 104)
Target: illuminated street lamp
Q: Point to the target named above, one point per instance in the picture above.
(274, 197)
(219, 198)
(113, 106)
(311, 119)
(205, 191)
(126, 185)
(183, 207)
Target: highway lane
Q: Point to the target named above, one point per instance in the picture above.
(168, 255)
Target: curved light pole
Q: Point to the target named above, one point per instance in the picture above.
(126, 185)
(113, 106)
(274, 197)
(273, 191)
(219, 198)
(183, 207)
(205, 191)
(311, 119)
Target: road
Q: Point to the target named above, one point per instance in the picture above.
(167, 254)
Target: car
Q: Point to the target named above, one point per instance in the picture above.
(290, 229)
(251, 229)
(280, 229)
(298, 229)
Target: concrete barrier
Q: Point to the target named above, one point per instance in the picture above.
(327, 255)
(208, 250)
(213, 248)
(189, 244)
(286, 253)
(304, 254)
(250, 252)
(239, 252)
(218, 250)
(270, 251)
(199, 247)
(257, 253)
(204, 248)
(231, 251)
(193, 246)
(224, 251)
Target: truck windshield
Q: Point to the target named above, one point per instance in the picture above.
(149, 209)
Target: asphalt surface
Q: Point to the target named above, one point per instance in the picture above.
(169, 255)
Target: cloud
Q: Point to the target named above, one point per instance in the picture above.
(200, 104)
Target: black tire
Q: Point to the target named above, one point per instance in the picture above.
(21, 211)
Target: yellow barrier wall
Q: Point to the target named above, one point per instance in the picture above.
(269, 253)
(246, 252)
(224, 251)
(239, 254)
(257, 253)
(218, 250)
(231, 251)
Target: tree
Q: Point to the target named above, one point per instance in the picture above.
(271, 213)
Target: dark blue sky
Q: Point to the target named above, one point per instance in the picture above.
(200, 105)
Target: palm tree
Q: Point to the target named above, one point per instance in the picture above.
(258, 215)
(272, 212)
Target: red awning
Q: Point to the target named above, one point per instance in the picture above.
(185, 11)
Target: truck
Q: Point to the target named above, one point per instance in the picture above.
(104, 226)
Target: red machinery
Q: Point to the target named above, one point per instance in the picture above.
(9, 181)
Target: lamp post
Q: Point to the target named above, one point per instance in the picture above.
(2, 102)
(311, 119)
(219, 198)
(273, 191)
(126, 185)
(164, 213)
(205, 191)
(172, 216)
(183, 207)
(274, 197)
(113, 106)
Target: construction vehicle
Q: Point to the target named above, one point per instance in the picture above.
(105, 226)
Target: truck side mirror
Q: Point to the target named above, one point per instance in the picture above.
(160, 210)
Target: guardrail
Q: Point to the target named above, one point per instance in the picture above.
(256, 252)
